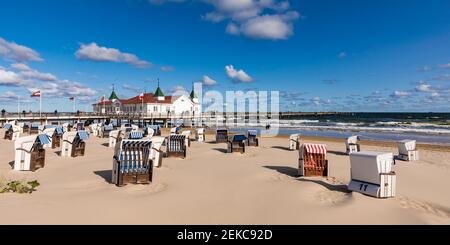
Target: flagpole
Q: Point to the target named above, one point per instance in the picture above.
(18, 106)
(40, 105)
(74, 105)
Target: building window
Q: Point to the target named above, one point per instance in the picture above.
(155, 108)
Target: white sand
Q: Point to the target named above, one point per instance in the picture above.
(211, 187)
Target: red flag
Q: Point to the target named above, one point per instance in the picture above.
(72, 98)
(141, 96)
(36, 93)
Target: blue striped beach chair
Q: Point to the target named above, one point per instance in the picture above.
(236, 144)
(221, 135)
(132, 163)
(252, 138)
(176, 146)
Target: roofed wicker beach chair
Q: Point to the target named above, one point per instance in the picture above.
(55, 134)
(132, 163)
(73, 143)
(352, 145)
(105, 130)
(201, 135)
(236, 143)
(95, 128)
(156, 129)
(371, 174)
(114, 138)
(175, 130)
(149, 132)
(252, 138)
(78, 126)
(313, 160)
(407, 150)
(176, 146)
(222, 135)
(66, 127)
(187, 140)
(30, 153)
(134, 135)
(294, 142)
(12, 132)
(33, 129)
(156, 152)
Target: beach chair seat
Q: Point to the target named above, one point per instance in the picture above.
(79, 126)
(407, 150)
(313, 160)
(252, 138)
(201, 135)
(30, 153)
(114, 138)
(352, 145)
(176, 146)
(156, 152)
(294, 142)
(221, 135)
(74, 144)
(132, 163)
(371, 174)
(187, 140)
(236, 144)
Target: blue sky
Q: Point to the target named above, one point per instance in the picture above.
(322, 55)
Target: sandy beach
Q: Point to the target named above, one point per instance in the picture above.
(212, 187)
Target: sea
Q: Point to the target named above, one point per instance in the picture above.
(430, 128)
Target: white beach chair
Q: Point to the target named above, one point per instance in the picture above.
(114, 137)
(187, 140)
(201, 135)
(29, 152)
(12, 132)
(150, 132)
(104, 130)
(294, 142)
(66, 127)
(371, 173)
(73, 143)
(95, 128)
(407, 150)
(351, 144)
(132, 163)
(156, 153)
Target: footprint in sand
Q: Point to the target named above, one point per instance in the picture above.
(429, 208)
(334, 198)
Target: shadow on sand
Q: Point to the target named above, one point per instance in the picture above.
(339, 153)
(105, 144)
(105, 174)
(281, 148)
(220, 150)
(293, 172)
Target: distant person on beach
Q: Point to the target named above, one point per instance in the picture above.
(267, 126)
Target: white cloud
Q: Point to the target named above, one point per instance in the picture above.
(400, 94)
(8, 96)
(424, 88)
(207, 81)
(257, 19)
(178, 90)
(131, 88)
(10, 78)
(237, 75)
(445, 66)
(167, 68)
(18, 53)
(27, 73)
(94, 52)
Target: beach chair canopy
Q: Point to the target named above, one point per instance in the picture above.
(408, 145)
(200, 130)
(353, 139)
(59, 130)
(83, 135)
(154, 127)
(221, 130)
(28, 142)
(34, 125)
(136, 135)
(7, 126)
(252, 132)
(368, 165)
(315, 148)
(43, 139)
(239, 137)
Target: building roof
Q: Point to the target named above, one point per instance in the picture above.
(149, 98)
(158, 92)
(113, 96)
